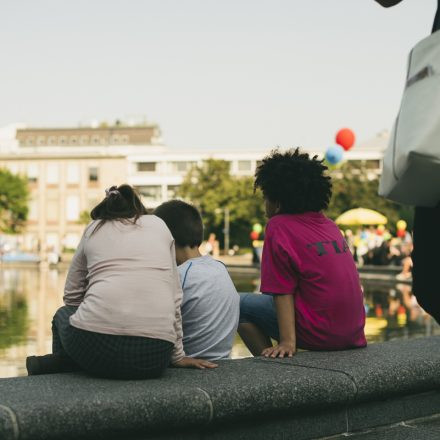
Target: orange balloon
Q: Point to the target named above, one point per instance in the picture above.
(345, 138)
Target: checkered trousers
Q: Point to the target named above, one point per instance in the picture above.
(112, 356)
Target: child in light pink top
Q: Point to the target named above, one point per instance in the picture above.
(313, 298)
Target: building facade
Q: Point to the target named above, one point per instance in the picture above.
(68, 170)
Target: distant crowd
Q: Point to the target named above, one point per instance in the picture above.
(376, 246)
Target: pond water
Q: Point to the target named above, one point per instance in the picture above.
(29, 297)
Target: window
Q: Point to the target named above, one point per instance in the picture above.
(95, 140)
(93, 174)
(114, 139)
(52, 173)
(71, 240)
(52, 241)
(373, 164)
(32, 172)
(172, 191)
(73, 140)
(151, 193)
(63, 140)
(51, 140)
(84, 139)
(72, 173)
(13, 168)
(72, 208)
(31, 242)
(182, 166)
(30, 141)
(33, 209)
(146, 166)
(41, 140)
(52, 208)
(244, 165)
(124, 139)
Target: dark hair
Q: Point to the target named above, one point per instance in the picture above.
(294, 180)
(121, 203)
(184, 222)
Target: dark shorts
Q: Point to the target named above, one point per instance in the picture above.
(112, 356)
(259, 309)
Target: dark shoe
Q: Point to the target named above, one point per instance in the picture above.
(32, 365)
(49, 364)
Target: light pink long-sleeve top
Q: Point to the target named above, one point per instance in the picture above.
(124, 280)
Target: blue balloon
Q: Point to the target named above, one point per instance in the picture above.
(334, 154)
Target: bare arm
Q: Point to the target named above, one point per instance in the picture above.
(388, 3)
(178, 353)
(285, 306)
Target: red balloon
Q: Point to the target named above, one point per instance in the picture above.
(401, 233)
(254, 235)
(345, 138)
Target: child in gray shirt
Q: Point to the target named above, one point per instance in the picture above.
(211, 305)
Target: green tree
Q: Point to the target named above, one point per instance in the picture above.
(14, 322)
(212, 189)
(14, 196)
(355, 186)
(84, 218)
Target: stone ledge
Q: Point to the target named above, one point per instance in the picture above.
(314, 394)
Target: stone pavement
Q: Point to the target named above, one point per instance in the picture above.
(422, 429)
(313, 395)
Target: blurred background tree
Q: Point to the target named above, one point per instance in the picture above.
(356, 186)
(14, 321)
(84, 218)
(211, 188)
(14, 195)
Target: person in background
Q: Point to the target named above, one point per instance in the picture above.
(210, 306)
(312, 298)
(426, 239)
(122, 298)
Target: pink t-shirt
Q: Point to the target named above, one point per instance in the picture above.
(306, 256)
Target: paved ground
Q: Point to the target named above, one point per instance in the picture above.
(426, 429)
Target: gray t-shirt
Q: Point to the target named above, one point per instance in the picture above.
(210, 308)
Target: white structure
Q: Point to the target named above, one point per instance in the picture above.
(68, 170)
(157, 175)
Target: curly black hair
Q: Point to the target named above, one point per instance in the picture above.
(294, 180)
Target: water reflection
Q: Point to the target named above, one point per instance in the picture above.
(393, 313)
(29, 298)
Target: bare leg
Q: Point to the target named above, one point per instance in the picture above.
(255, 340)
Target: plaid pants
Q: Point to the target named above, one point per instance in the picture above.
(111, 356)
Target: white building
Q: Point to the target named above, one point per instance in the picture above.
(157, 175)
(68, 170)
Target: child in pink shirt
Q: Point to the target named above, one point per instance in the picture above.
(312, 298)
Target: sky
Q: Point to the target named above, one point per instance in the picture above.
(214, 74)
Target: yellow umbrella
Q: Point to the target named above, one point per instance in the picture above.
(361, 216)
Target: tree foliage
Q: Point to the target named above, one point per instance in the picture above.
(84, 218)
(14, 196)
(14, 323)
(212, 189)
(356, 186)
